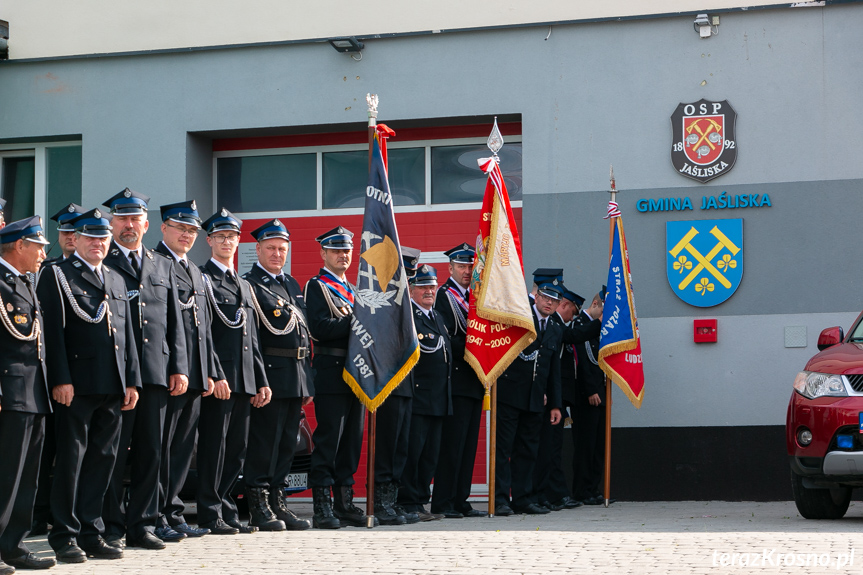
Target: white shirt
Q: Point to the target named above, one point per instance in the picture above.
(462, 291)
(126, 251)
(422, 309)
(223, 267)
(274, 276)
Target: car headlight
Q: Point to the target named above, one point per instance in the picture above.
(812, 384)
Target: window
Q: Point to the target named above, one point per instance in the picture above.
(293, 176)
(39, 179)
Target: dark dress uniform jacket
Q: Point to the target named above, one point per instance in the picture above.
(85, 354)
(520, 388)
(430, 377)
(464, 379)
(286, 356)
(238, 349)
(23, 385)
(155, 315)
(590, 379)
(197, 320)
(574, 335)
(329, 330)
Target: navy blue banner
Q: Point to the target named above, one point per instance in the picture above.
(383, 345)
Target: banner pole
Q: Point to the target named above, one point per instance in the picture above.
(492, 449)
(372, 100)
(606, 488)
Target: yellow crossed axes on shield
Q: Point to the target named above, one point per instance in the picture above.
(704, 261)
(714, 126)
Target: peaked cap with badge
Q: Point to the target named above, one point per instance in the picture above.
(127, 203)
(338, 238)
(92, 224)
(270, 230)
(29, 229)
(65, 216)
(222, 221)
(461, 254)
(181, 213)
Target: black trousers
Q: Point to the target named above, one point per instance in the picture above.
(392, 438)
(518, 433)
(272, 442)
(88, 433)
(338, 439)
(21, 437)
(549, 481)
(222, 442)
(42, 505)
(178, 446)
(141, 446)
(588, 424)
(423, 452)
(459, 440)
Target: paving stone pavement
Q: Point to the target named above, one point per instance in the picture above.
(657, 537)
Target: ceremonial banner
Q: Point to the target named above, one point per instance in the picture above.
(619, 341)
(383, 345)
(500, 321)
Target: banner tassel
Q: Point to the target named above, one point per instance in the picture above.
(486, 400)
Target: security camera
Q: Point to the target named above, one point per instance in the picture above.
(702, 25)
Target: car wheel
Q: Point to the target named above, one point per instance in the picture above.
(820, 503)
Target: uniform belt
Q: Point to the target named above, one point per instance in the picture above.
(336, 351)
(299, 353)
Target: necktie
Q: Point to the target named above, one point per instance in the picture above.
(185, 264)
(26, 279)
(281, 279)
(542, 324)
(136, 265)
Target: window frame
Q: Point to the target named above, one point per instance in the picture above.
(39, 152)
(319, 151)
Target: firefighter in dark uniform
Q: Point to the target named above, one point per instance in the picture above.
(152, 292)
(224, 423)
(42, 508)
(286, 349)
(432, 396)
(588, 417)
(528, 386)
(461, 429)
(180, 227)
(549, 479)
(24, 396)
(94, 374)
(340, 416)
(392, 432)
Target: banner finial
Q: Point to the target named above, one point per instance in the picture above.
(495, 141)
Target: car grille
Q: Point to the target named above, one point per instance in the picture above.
(856, 381)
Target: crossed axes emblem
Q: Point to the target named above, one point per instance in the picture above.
(714, 125)
(704, 261)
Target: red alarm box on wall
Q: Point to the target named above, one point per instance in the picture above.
(704, 331)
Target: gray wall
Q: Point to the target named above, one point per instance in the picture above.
(591, 95)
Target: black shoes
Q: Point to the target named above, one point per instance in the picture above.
(503, 510)
(29, 561)
(242, 529)
(187, 530)
(384, 500)
(280, 507)
(146, 541)
(100, 550)
(323, 517)
(531, 509)
(450, 513)
(116, 541)
(70, 553)
(568, 502)
(551, 506)
(219, 527)
(597, 500)
(424, 516)
(410, 516)
(169, 534)
(473, 513)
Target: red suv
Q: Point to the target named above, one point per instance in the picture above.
(824, 425)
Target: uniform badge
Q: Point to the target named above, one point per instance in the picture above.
(76, 264)
(704, 145)
(20, 319)
(127, 193)
(267, 280)
(281, 302)
(224, 213)
(277, 312)
(10, 308)
(97, 213)
(704, 260)
(149, 255)
(419, 336)
(115, 252)
(71, 209)
(193, 205)
(431, 336)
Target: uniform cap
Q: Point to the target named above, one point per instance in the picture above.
(92, 224)
(222, 221)
(425, 276)
(271, 229)
(65, 216)
(461, 254)
(573, 297)
(549, 282)
(29, 229)
(127, 203)
(337, 238)
(182, 213)
(411, 259)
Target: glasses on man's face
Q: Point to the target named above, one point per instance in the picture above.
(220, 239)
(192, 232)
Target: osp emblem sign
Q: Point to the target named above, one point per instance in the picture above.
(704, 144)
(704, 260)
